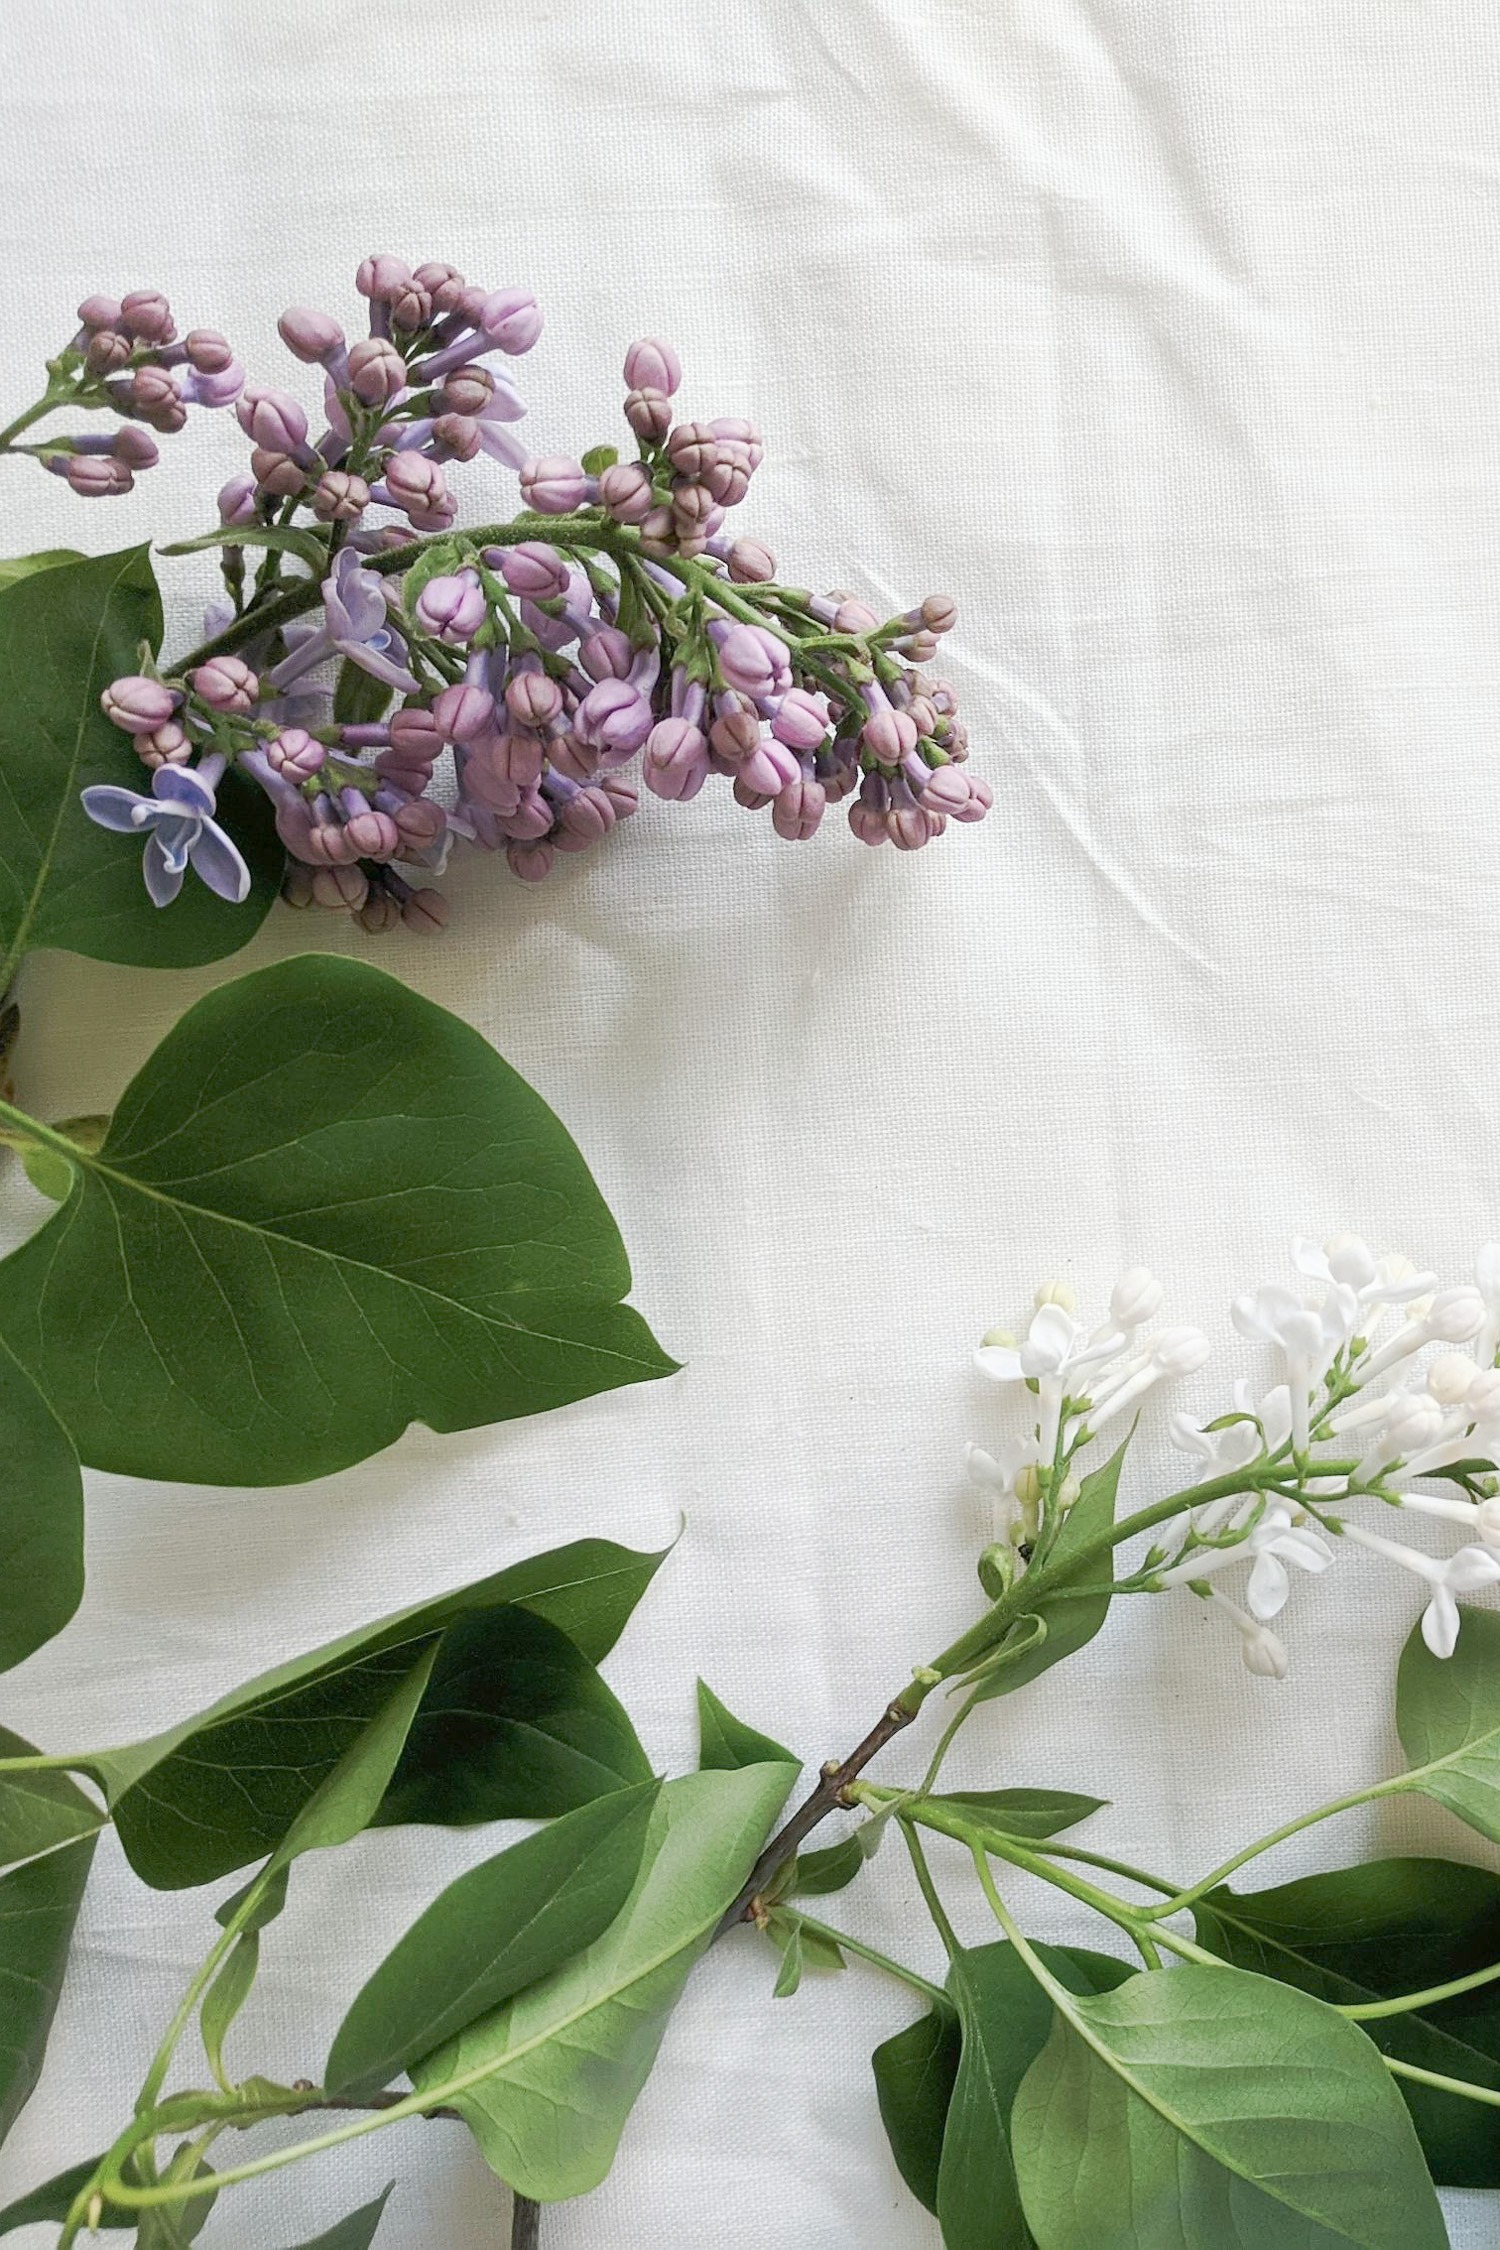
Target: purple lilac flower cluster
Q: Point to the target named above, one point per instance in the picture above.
(514, 686)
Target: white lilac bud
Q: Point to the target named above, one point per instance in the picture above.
(1450, 1378)
(1180, 1351)
(1455, 1315)
(1060, 1293)
(1136, 1296)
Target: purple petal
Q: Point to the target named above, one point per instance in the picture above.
(379, 667)
(304, 656)
(163, 881)
(496, 439)
(116, 808)
(217, 862)
(184, 790)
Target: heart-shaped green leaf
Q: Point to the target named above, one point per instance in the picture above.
(580, 2045)
(65, 633)
(1373, 1932)
(324, 1209)
(1004, 2018)
(500, 1927)
(38, 1906)
(914, 2075)
(1448, 1718)
(226, 1786)
(1207, 2109)
(41, 1519)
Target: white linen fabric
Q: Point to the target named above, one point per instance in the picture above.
(1165, 336)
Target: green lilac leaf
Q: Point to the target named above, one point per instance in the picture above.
(1004, 2018)
(41, 1518)
(1024, 1812)
(1448, 1718)
(914, 2077)
(498, 1928)
(820, 1873)
(579, 2046)
(65, 633)
(225, 1786)
(725, 1742)
(38, 1906)
(324, 1209)
(359, 699)
(53, 2200)
(226, 1996)
(306, 545)
(46, 558)
(1070, 1624)
(1374, 1932)
(1209, 2109)
(789, 1975)
(39, 1811)
(356, 2232)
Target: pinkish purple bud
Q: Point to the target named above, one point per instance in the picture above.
(729, 478)
(867, 822)
(341, 888)
(649, 413)
(163, 746)
(134, 448)
(753, 800)
(735, 736)
(420, 823)
(553, 485)
(273, 419)
(531, 862)
(379, 913)
(156, 399)
(340, 497)
(443, 283)
(692, 448)
(277, 472)
(377, 372)
(626, 492)
(297, 884)
(742, 433)
(854, 617)
(753, 660)
(588, 816)
(512, 319)
(532, 699)
(888, 735)
(658, 532)
(607, 654)
(99, 312)
(97, 476)
(138, 704)
(533, 571)
(614, 717)
(145, 313)
(467, 391)
(226, 683)
(453, 607)
(798, 810)
(311, 336)
(425, 913)
(652, 365)
(801, 720)
(462, 713)
(296, 754)
(416, 738)
(414, 483)
(917, 648)
(751, 562)
(108, 351)
(208, 351)
(981, 797)
(237, 500)
(373, 834)
(940, 613)
(770, 768)
(676, 761)
(411, 307)
(457, 435)
(573, 758)
(381, 276)
(692, 506)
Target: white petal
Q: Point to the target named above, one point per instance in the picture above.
(1049, 1340)
(1001, 1362)
(1310, 1257)
(1471, 1568)
(1268, 1588)
(1440, 1622)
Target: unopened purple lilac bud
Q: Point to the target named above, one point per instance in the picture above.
(99, 312)
(981, 797)
(867, 822)
(340, 497)
(311, 336)
(415, 484)
(692, 448)
(342, 888)
(296, 754)
(553, 485)
(614, 717)
(419, 823)
(145, 313)
(377, 372)
(939, 613)
(156, 399)
(607, 654)
(625, 490)
(751, 562)
(237, 500)
(652, 365)
(855, 617)
(735, 736)
(381, 276)
(226, 683)
(753, 800)
(452, 607)
(416, 738)
(277, 472)
(411, 307)
(95, 476)
(379, 913)
(798, 810)
(373, 834)
(443, 283)
(742, 433)
(589, 815)
(801, 720)
(517, 757)
(208, 351)
(917, 648)
(163, 746)
(297, 884)
(692, 506)
(572, 757)
(729, 478)
(947, 790)
(328, 842)
(752, 660)
(531, 862)
(770, 768)
(533, 571)
(463, 713)
(649, 413)
(676, 761)
(457, 435)
(108, 351)
(888, 735)
(134, 448)
(425, 913)
(273, 419)
(138, 704)
(512, 319)
(658, 532)
(532, 699)
(467, 391)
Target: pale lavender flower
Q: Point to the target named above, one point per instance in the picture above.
(177, 821)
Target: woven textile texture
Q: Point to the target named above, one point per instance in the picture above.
(1166, 337)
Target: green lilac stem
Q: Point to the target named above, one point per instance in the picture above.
(1435, 2078)
(1365, 2011)
(24, 421)
(877, 1960)
(161, 2062)
(1228, 1867)
(929, 1890)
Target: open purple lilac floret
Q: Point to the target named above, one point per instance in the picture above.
(510, 687)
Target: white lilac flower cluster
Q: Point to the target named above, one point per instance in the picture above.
(1388, 1383)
